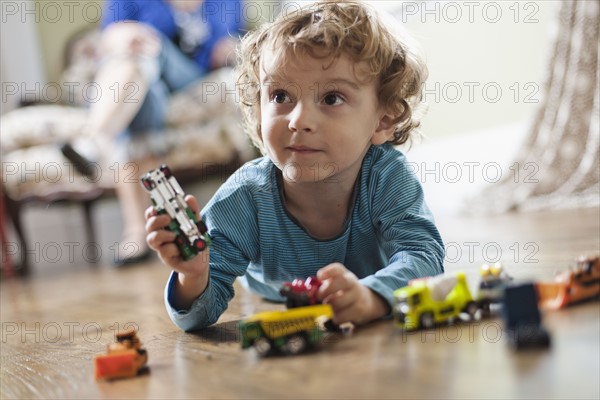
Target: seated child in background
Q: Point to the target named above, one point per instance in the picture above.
(327, 92)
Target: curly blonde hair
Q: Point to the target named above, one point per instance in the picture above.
(330, 29)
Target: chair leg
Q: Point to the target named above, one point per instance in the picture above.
(91, 232)
(7, 267)
(13, 208)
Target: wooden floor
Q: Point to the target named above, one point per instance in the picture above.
(53, 324)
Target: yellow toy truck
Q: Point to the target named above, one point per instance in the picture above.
(430, 301)
(290, 331)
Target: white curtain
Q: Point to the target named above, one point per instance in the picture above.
(559, 160)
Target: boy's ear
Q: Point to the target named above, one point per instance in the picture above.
(385, 130)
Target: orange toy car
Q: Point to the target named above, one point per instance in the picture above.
(123, 359)
(572, 286)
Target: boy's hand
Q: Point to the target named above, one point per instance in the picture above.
(192, 274)
(351, 301)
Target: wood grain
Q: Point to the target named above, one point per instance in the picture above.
(52, 327)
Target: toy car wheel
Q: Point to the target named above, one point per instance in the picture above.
(200, 244)
(295, 344)
(148, 183)
(262, 346)
(166, 171)
(290, 303)
(485, 307)
(201, 227)
(427, 320)
(180, 240)
(471, 309)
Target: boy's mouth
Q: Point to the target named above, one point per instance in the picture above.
(301, 149)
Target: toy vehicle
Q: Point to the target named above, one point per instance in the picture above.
(168, 197)
(301, 293)
(123, 359)
(491, 287)
(572, 286)
(426, 302)
(522, 318)
(290, 331)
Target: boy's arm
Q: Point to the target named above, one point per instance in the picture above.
(408, 234)
(227, 262)
(414, 248)
(232, 225)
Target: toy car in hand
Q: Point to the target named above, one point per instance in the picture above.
(299, 293)
(302, 293)
(168, 197)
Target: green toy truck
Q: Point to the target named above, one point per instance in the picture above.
(290, 331)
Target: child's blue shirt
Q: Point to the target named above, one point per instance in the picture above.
(389, 236)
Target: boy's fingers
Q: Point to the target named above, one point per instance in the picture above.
(342, 316)
(170, 252)
(193, 203)
(341, 300)
(150, 211)
(158, 238)
(348, 315)
(157, 222)
(330, 271)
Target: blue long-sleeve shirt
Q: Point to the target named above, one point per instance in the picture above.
(221, 18)
(389, 236)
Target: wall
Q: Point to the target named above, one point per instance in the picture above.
(487, 60)
(59, 21)
(20, 60)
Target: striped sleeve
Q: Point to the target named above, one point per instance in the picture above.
(232, 249)
(406, 228)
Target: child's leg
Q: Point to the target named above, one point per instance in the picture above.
(124, 88)
(133, 201)
(135, 92)
(149, 119)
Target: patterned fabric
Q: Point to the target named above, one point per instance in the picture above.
(389, 236)
(200, 130)
(564, 139)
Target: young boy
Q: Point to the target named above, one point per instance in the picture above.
(327, 92)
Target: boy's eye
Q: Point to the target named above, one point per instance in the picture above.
(333, 99)
(280, 97)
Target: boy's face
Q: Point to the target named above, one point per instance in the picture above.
(317, 122)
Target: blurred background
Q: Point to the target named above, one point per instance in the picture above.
(491, 65)
(467, 45)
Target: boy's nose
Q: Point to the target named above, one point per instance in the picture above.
(302, 119)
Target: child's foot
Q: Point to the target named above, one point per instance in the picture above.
(82, 164)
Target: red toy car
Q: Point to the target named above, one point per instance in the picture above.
(301, 293)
